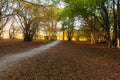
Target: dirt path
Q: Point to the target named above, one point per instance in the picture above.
(12, 46)
(9, 60)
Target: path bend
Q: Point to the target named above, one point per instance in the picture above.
(8, 60)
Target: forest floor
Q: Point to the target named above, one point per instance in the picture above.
(11, 46)
(68, 61)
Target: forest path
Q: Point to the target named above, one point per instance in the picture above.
(9, 60)
(68, 60)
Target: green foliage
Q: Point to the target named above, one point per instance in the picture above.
(81, 7)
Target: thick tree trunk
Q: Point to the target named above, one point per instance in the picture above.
(69, 39)
(118, 27)
(28, 37)
(78, 35)
(70, 35)
(118, 42)
(114, 41)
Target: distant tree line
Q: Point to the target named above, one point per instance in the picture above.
(99, 19)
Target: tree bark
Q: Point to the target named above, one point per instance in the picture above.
(106, 23)
(28, 37)
(114, 39)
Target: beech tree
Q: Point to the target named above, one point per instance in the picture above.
(29, 16)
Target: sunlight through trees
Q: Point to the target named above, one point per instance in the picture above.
(97, 21)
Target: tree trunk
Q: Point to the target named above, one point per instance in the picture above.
(106, 20)
(92, 38)
(63, 35)
(114, 41)
(70, 35)
(118, 27)
(69, 39)
(28, 37)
